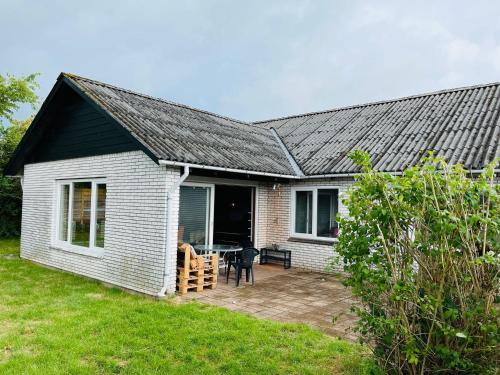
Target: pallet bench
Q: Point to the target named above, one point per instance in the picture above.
(195, 272)
(269, 255)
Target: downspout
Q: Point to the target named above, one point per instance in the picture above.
(168, 214)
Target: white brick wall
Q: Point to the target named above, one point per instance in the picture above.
(134, 256)
(274, 223)
(261, 227)
(135, 219)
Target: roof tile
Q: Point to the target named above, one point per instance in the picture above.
(463, 125)
(180, 133)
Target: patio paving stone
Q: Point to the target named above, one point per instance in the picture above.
(291, 295)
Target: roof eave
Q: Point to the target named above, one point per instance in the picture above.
(224, 169)
(395, 173)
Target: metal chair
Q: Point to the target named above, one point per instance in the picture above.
(244, 260)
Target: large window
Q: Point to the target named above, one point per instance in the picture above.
(81, 216)
(314, 212)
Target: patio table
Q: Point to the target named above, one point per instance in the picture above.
(220, 249)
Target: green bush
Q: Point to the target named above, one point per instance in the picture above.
(13, 92)
(10, 207)
(421, 252)
(10, 188)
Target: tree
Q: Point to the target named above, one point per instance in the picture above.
(13, 93)
(422, 254)
(10, 188)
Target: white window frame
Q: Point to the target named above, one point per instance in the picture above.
(210, 214)
(314, 190)
(92, 250)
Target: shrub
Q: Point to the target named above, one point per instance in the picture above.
(10, 207)
(421, 251)
(10, 188)
(13, 92)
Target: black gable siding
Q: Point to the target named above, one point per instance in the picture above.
(76, 129)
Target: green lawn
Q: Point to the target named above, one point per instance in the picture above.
(9, 246)
(52, 322)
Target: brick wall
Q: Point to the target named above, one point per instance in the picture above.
(275, 216)
(274, 224)
(133, 255)
(261, 227)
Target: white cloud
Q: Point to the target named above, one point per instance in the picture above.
(254, 60)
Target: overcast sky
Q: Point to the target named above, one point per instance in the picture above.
(256, 60)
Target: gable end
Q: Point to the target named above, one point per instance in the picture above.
(69, 126)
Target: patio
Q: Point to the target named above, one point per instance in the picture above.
(291, 295)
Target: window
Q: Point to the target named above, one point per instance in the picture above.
(303, 212)
(314, 212)
(81, 216)
(326, 213)
(100, 215)
(196, 213)
(63, 214)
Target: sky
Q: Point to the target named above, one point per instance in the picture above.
(255, 60)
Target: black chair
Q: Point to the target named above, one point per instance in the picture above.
(230, 257)
(247, 242)
(243, 260)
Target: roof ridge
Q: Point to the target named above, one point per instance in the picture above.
(77, 77)
(293, 163)
(378, 102)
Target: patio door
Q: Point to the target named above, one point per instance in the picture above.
(196, 213)
(233, 214)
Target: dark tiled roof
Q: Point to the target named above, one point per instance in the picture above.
(463, 125)
(460, 124)
(179, 133)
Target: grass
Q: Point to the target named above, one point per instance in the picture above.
(9, 246)
(53, 322)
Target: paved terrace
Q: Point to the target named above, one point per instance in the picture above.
(291, 295)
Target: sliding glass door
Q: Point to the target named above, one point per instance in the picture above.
(196, 213)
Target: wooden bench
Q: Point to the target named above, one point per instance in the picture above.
(194, 271)
(269, 255)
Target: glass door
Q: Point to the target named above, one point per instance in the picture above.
(196, 214)
(233, 214)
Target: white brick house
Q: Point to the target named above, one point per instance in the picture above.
(135, 218)
(112, 180)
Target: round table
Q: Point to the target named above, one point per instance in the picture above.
(215, 248)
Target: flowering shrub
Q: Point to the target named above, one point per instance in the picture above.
(421, 252)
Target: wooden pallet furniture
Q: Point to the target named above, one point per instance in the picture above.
(195, 272)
